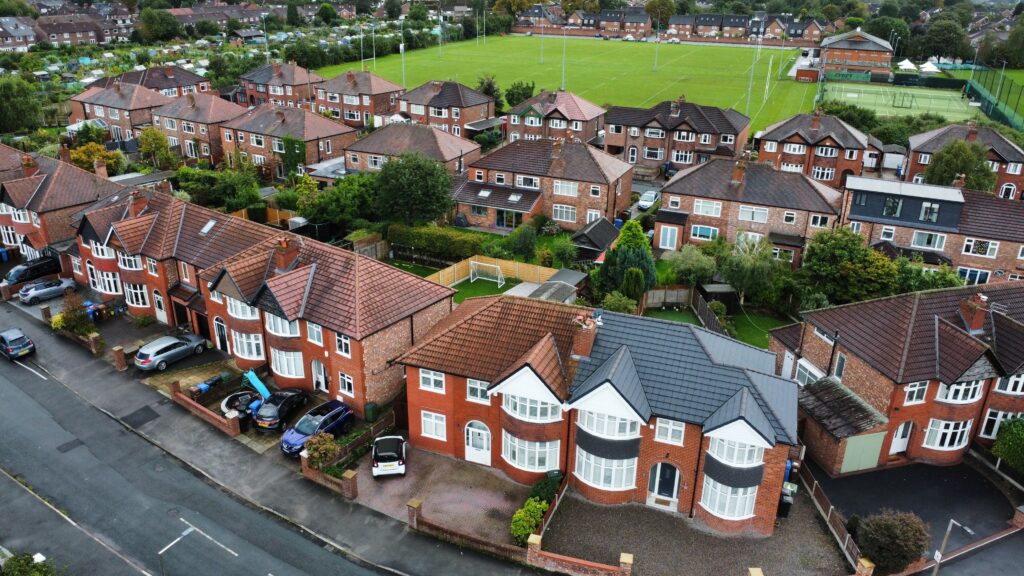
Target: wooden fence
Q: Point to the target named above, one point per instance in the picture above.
(706, 316)
(559, 495)
(275, 216)
(509, 268)
(836, 522)
(666, 296)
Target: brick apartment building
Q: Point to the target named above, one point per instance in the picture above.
(193, 125)
(570, 182)
(677, 132)
(820, 146)
(1004, 156)
(911, 378)
(856, 51)
(70, 30)
(359, 99)
(558, 115)
(126, 108)
(172, 80)
(449, 106)
(287, 84)
(976, 233)
(323, 318)
(259, 136)
(368, 154)
(528, 386)
(745, 202)
(17, 34)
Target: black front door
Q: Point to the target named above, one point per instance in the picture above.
(667, 480)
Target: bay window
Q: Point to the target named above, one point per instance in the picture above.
(528, 455)
(736, 454)
(287, 364)
(101, 251)
(605, 473)
(1011, 385)
(136, 295)
(530, 410)
(241, 310)
(607, 426)
(248, 346)
(946, 435)
(128, 262)
(282, 327)
(728, 502)
(960, 392)
(993, 419)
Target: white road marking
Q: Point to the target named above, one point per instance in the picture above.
(175, 541)
(20, 363)
(210, 538)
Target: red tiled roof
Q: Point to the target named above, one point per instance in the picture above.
(202, 108)
(357, 83)
(569, 105)
(133, 233)
(400, 138)
(122, 97)
(281, 121)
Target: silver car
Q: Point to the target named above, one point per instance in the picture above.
(36, 292)
(168, 349)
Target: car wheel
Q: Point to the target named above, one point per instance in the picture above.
(33, 301)
(161, 366)
(200, 348)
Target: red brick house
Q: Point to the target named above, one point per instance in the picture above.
(570, 182)
(676, 132)
(369, 154)
(259, 135)
(17, 34)
(172, 81)
(820, 146)
(449, 106)
(856, 51)
(1004, 156)
(70, 30)
(126, 108)
(193, 125)
(559, 115)
(911, 378)
(744, 202)
(359, 99)
(288, 85)
(528, 386)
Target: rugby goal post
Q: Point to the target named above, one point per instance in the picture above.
(484, 271)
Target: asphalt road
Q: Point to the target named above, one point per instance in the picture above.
(129, 495)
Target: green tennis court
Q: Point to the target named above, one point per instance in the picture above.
(888, 100)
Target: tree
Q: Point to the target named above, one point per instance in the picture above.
(961, 157)
(513, 7)
(522, 241)
(25, 565)
(660, 11)
(21, 109)
(911, 276)
(617, 302)
(563, 251)
(349, 199)
(131, 5)
(418, 12)
(85, 157)
(157, 25)
(830, 12)
(883, 26)
(518, 92)
(232, 25)
(393, 8)
(207, 28)
(840, 266)
(413, 189)
(632, 250)
(945, 38)
(326, 14)
(1018, 9)
(749, 268)
(892, 540)
(16, 8)
(889, 9)
(153, 145)
(691, 266)
(292, 14)
(488, 86)
(90, 133)
(570, 6)
(854, 22)
(633, 284)
(1010, 443)
(364, 7)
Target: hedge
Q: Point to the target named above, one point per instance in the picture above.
(447, 244)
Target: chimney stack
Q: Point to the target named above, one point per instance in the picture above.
(556, 149)
(436, 87)
(816, 119)
(351, 77)
(583, 338)
(29, 165)
(739, 171)
(972, 131)
(169, 72)
(552, 96)
(64, 153)
(973, 310)
(279, 114)
(286, 251)
(191, 100)
(961, 181)
(117, 86)
(136, 203)
(99, 166)
(277, 68)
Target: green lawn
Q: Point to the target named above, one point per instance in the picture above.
(684, 315)
(753, 328)
(611, 72)
(417, 269)
(665, 275)
(1016, 75)
(467, 289)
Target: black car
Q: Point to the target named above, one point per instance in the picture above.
(32, 270)
(277, 410)
(14, 344)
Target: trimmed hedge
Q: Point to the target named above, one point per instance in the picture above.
(447, 244)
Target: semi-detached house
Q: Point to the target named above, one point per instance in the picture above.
(359, 99)
(450, 106)
(368, 154)
(193, 125)
(556, 115)
(171, 80)
(632, 409)
(280, 84)
(125, 108)
(1005, 158)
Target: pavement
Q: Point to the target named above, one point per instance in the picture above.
(269, 481)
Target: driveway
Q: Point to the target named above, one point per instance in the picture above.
(935, 493)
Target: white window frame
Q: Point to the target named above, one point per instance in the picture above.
(940, 242)
(728, 502)
(438, 425)
(247, 346)
(287, 363)
(924, 159)
(432, 381)
(753, 214)
(990, 251)
(819, 221)
(700, 227)
(603, 473)
(563, 213)
(966, 392)
(136, 295)
(282, 327)
(476, 391)
(1011, 385)
(666, 430)
(241, 310)
(565, 188)
(529, 455)
(947, 435)
(736, 454)
(343, 345)
(993, 420)
(771, 145)
(703, 207)
(607, 426)
(129, 262)
(915, 393)
(520, 407)
(528, 182)
(888, 233)
(793, 148)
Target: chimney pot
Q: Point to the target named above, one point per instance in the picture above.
(972, 131)
(973, 310)
(961, 181)
(100, 168)
(739, 170)
(169, 72)
(29, 165)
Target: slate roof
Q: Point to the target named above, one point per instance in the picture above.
(566, 104)
(285, 74)
(281, 121)
(357, 83)
(598, 235)
(202, 108)
(399, 138)
(856, 40)
(620, 371)
(555, 292)
(846, 136)
(933, 141)
(681, 20)
(761, 185)
(556, 159)
(838, 409)
(921, 335)
(155, 78)
(788, 335)
(493, 196)
(703, 119)
(445, 94)
(122, 97)
(742, 406)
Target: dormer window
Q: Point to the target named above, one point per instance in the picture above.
(736, 454)
(607, 426)
(282, 327)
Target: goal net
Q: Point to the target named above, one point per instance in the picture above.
(483, 271)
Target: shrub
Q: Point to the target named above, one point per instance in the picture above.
(495, 248)
(25, 565)
(564, 251)
(632, 285)
(718, 309)
(442, 243)
(617, 302)
(182, 195)
(522, 242)
(647, 222)
(526, 520)
(538, 221)
(321, 449)
(287, 199)
(892, 540)
(550, 228)
(73, 318)
(1010, 443)
(546, 489)
(142, 320)
(544, 257)
(691, 266)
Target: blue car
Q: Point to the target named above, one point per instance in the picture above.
(333, 417)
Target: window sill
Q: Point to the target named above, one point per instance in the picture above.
(604, 488)
(429, 437)
(434, 390)
(729, 518)
(735, 465)
(937, 449)
(958, 402)
(478, 401)
(670, 443)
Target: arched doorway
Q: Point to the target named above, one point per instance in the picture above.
(663, 486)
(478, 443)
(221, 335)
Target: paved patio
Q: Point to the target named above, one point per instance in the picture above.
(467, 497)
(666, 544)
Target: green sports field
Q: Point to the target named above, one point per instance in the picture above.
(1015, 75)
(611, 72)
(888, 100)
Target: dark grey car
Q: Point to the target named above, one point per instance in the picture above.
(36, 292)
(168, 349)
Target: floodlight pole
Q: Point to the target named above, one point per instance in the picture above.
(785, 33)
(975, 63)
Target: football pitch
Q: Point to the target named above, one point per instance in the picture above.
(888, 100)
(611, 72)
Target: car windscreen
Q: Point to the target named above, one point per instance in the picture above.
(308, 424)
(19, 341)
(267, 410)
(12, 275)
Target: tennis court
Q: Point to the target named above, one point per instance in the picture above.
(888, 100)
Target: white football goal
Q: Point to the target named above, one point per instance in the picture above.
(484, 271)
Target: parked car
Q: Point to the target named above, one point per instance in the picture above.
(333, 417)
(14, 344)
(389, 456)
(279, 407)
(36, 292)
(32, 270)
(168, 349)
(647, 199)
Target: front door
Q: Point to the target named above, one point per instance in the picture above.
(158, 305)
(478, 443)
(787, 365)
(319, 376)
(900, 438)
(663, 486)
(115, 133)
(221, 332)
